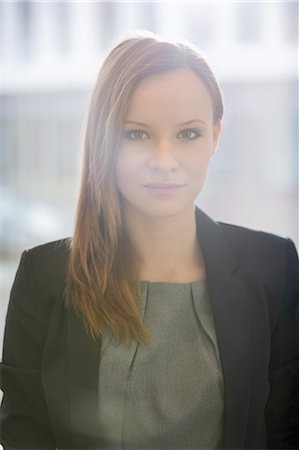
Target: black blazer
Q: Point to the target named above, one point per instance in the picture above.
(50, 366)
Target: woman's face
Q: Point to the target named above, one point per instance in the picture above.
(167, 142)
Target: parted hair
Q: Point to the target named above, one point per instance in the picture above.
(102, 280)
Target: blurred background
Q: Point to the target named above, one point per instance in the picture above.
(50, 55)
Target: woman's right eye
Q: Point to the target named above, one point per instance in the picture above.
(136, 135)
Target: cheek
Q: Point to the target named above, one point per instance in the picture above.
(121, 174)
(127, 166)
(199, 164)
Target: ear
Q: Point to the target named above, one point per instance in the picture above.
(216, 136)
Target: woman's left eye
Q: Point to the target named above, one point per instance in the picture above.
(189, 134)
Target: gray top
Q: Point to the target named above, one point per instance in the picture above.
(167, 394)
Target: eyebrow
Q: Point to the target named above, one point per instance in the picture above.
(134, 122)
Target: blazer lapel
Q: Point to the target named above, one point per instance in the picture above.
(54, 373)
(83, 363)
(70, 370)
(232, 316)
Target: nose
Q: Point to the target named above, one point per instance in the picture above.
(163, 157)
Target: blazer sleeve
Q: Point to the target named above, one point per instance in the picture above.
(281, 413)
(24, 417)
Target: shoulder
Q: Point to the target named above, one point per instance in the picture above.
(255, 242)
(270, 267)
(244, 246)
(263, 255)
(36, 293)
(54, 250)
(45, 267)
(51, 255)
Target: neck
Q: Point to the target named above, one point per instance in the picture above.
(167, 247)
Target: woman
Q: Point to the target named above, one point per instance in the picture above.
(154, 326)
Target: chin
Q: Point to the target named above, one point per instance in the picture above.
(164, 211)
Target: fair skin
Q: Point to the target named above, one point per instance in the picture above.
(159, 146)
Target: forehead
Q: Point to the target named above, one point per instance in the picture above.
(174, 96)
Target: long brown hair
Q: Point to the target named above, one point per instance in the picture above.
(102, 282)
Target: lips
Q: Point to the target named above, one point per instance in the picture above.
(163, 185)
(163, 189)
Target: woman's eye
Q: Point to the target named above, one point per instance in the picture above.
(189, 134)
(136, 135)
